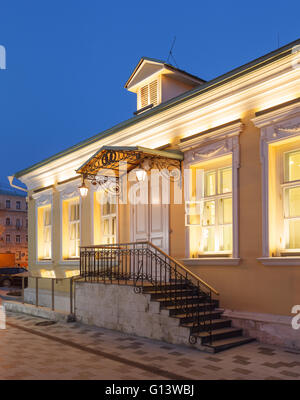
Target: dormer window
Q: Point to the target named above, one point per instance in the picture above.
(155, 82)
(148, 94)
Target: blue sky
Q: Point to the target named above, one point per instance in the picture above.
(67, 61)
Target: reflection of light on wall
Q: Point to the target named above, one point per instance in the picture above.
(71, 273)
(47, 274)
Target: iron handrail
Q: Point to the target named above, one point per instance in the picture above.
(164, 254)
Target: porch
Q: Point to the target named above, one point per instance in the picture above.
(137, 288)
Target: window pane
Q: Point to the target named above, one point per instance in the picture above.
(72, 212)
(72, 231)
(209, 213)
(294, 202)
(294, 234)
(225, 180)
(210, 183)
(225, 211)
(113, 226)
(73, 248)
(292, 166)
(47, 217)
(193, 213)
(106, 227)
(209, 239)
(226, 238)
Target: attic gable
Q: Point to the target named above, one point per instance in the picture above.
(144, 70)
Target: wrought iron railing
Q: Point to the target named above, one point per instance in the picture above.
(144, 265)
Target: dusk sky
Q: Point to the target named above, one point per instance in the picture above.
(68, 61)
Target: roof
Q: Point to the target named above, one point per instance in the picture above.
(163, 64)
(110, 158)
(205, 87)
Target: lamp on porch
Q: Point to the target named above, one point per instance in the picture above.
(140, 174)
(83, 189)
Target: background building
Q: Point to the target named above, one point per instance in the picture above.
(13, 224)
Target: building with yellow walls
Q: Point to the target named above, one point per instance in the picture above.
(234, 218)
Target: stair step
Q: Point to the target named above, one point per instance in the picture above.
(169, 301)
(162, 288)
(203, 317)
(225, 344)
(219, 334)
(175, 310)
(183, 293)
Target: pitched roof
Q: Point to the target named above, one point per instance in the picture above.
(165, 65)
(205, 87)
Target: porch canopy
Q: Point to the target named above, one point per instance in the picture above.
(115, 161)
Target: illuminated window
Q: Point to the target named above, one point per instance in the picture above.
(291, 200)
(44, 232)
(74, 228)
(105, 218)
(109, 223)
(209, 212)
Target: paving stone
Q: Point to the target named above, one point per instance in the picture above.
(28, 355)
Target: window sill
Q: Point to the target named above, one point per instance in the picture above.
(44, 262)
(210, 261)
(70, 261)
(284, 261)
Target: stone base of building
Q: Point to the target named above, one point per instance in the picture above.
(119, 308)
(61, 300)
(267, 328)
(42, 312)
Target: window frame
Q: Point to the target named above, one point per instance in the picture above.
(276, 127)
(43, 199)
(217, 197)
(203, 149)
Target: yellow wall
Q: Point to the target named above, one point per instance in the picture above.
(249, 286)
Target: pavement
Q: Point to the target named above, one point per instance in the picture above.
(78, 352)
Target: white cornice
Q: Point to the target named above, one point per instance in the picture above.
(276, 116)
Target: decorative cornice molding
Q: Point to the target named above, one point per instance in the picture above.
(43, 198)
(69, 189)
(224, 132)
(229, 145)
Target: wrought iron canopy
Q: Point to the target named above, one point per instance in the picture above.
(115, 161)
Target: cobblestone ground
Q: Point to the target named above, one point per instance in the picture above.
(76, 351)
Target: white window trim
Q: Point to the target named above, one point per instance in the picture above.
(68, 191)
(201, 149)
(42, 199)
(275, 126)
(74, 222)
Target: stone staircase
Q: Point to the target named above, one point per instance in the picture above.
(215, 334)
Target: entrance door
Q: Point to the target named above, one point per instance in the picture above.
(150, 222)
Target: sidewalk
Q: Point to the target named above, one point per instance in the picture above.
(76, 351)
